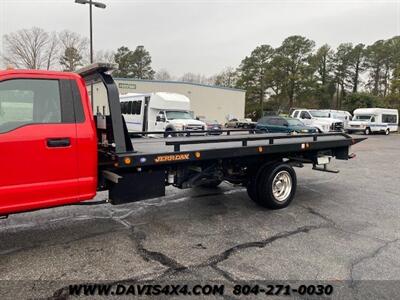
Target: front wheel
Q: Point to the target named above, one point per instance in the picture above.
(387, 132)
(168, 133)
(367, 131)
(276, 186)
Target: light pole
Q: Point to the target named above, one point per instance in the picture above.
(98, 5)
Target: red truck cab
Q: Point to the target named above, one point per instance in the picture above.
(48, 152)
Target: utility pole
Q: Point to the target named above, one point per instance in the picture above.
(98, 5)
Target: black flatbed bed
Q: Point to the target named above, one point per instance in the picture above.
(138, 169)
(162, 151)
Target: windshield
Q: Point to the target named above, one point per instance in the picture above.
(294, 122)
(172, 115)
(319, 114)
(362, 117)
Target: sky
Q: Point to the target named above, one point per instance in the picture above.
(205, 36)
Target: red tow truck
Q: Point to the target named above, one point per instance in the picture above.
(54, 152)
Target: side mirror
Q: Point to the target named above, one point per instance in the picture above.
(160, 118)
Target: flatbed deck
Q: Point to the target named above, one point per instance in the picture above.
(138, 169)
(157, 151)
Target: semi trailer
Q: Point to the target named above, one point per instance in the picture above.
(55, 152)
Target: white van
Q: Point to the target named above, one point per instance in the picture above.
(369, 120)
(158, 112)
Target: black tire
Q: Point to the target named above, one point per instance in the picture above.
(168, 133)
(211, 184)
(268, 178)
(252, 182)
(252, 190)
(367, 131)
(387, 131)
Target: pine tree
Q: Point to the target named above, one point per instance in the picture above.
(71, 59)
(134, 64)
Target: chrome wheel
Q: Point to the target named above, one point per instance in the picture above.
(282, 186)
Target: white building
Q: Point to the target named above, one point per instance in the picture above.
(208, 102)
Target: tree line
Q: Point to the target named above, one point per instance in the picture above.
(295, 74)
(36, 48)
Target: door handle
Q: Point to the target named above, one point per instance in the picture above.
(58, 142)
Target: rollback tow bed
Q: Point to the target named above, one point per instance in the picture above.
(141, 169)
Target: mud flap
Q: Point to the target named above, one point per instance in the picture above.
(133, 187)
(342, 153)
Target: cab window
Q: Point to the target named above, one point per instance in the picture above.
(305, 115)
(29, 101)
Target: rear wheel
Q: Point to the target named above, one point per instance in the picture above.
(252, 187)
(276, 186)
(252, 190)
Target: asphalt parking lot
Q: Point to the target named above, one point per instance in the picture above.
(342, 226)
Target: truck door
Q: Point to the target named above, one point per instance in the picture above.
(38, 144)
(305, 117)
(160, 122)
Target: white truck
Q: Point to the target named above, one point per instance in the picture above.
(342, 115)
(371, 120)
(318, 119)
(159, 111)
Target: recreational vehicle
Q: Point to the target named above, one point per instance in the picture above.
(370, 120)
(160, 111)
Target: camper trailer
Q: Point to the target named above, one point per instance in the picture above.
(167, 112)
(371, 120)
